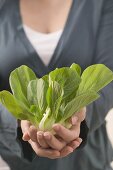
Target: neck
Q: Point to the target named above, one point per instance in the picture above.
(45, 15)
(45, 3)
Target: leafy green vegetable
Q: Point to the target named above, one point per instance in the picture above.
(76, 67)
(55, 97)
(8, 100)
(67, 78)
(95, 77)
(19, 80)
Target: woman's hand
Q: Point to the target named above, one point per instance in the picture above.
(47, 145)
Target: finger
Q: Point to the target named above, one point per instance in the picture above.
(67, 134)
(25, 127)
(26, 136)
(32, 132)
(76, 143)
(41, 140)
(74, 120)
(49, 153)
(81, 114)
(54, 142)
(78, 116)
(34, 145)
(66, 151)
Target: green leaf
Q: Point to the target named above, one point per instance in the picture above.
(19, 79)
(46, 79)
(36, 94)
(8, 100)
(79, 102)
(47, 121)
(32, 92)
(41, 94)
(94, 78)
(76, 67)
(68, 79)
(36, 112)
(54, 97)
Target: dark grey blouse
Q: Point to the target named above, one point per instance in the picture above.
(87, 39)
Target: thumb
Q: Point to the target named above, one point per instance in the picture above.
(79, 116)
(25, 125)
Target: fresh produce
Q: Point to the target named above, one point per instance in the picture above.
(55, 97)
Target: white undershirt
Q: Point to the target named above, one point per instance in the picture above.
(44, 44)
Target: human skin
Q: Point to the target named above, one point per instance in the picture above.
(46, 144)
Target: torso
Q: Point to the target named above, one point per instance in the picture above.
(75, 42)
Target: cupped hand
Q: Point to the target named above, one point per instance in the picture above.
(46, 144)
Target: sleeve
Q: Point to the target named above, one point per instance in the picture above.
(97, 111)
(8, 133)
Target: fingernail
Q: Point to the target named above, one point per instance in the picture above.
(24, 137)
(47, 136)
(56, 128)
(80, 140)
(40, 136)
(70, 151)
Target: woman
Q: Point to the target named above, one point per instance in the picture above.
(5, 85)
(83, 33)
